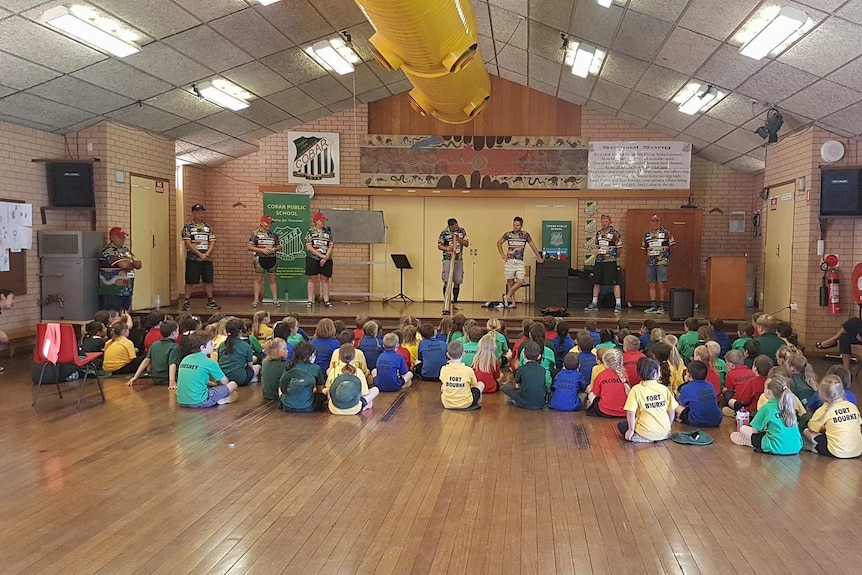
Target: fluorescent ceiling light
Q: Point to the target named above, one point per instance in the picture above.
(267, 2)
(605, 3)
(224, 93)
(778, 32)
(87, 25)
(696, 98)
(584, 59)
(333, 55)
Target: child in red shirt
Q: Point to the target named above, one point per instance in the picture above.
(486, 366)
(701, 353)
(153, 324)
(743, 386)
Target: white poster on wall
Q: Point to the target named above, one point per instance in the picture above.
(639, 166)
(314, 158)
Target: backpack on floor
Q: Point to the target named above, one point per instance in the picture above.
(554, 310)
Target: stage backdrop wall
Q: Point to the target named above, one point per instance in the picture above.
(290, 220)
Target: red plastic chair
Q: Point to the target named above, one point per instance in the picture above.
(68, 355)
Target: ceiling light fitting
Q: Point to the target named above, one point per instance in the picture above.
(584, 59)
(334, 55)
(605, 3)
(88, 25)
(267, 2)
(696, 98)
(223, 93)
(781, 30)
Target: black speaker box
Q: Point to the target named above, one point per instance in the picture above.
(840, 193)
(681, 304)
(70, 185)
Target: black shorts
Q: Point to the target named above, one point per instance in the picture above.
(477, 395)
(683, 416)
(821, 444)
(757, 442)
(594, 410)
(197, 271)
(313, 267)
(605, 274)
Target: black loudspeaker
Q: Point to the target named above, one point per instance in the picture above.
(681, 304)
(840, 193)
(70, 185)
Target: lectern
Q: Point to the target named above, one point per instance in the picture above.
(726, 286)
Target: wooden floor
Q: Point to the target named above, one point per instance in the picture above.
(137, 485)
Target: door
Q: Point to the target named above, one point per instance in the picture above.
(684, 269)
(150, 241)
(779, 241)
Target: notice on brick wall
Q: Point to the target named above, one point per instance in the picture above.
(639, 166)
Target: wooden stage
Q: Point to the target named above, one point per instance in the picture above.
(137, 485)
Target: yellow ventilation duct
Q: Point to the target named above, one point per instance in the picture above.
(455, 98)
(426, 38)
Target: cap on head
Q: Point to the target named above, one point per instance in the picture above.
(117, 231)
(198, 208)
(267, 219)
(318, 217)
(654, 218)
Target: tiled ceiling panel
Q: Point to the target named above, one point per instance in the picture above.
(157, 18)
(340, 14)
(294, 65)
(263, 113)
(35, 109)
(297, 19)
(147, 117)
(229, 123)
(73, 92)
(728, 68)
(165, 63)
(821, 99)
(776, 82)
(641, 36)
(661, 82)
(686, 51)
(184, 104)
(716, 19)
(668, 10)
(248, 30)
(551, 12)
(43, 46)
(257, 79)
(596, 24)
(208, 10)
(829, 46)
(21, 74)
(204, 45)
(123, 79)
(623, 70)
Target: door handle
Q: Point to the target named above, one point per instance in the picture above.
(778, 250)
(154, 241)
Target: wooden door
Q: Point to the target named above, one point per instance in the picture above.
(150, 241)
(779, 256)
(405, 222)
(684, 269)
(488, 220)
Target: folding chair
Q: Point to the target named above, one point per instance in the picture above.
(68, 355)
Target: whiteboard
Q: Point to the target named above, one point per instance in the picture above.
(356, 226)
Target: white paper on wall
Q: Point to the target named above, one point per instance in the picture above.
(4, 260)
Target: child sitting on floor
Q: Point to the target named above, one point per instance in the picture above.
(568, 386)
(744, 333)
(774, 429)
(698, 405)
(432, 353)
(190, 325)
(802, 375)
(608, 395)
(471, 344)
(834, 429)
(486, 365)
(370, 344)
(650, 407)
(743, 386)
(346, 336)
(163, 359)
(391, 373)
(459, 388)
(200, 380)
(346, 386)
(562, 343)
(844, 375)
(301, 385)
(273, 367)
(529, 390)
(235, 356)
(410, 342)
(260, 326)
(152, 322)
(701, 353)
(120, 354)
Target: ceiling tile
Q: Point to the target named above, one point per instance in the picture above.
(340, 13)
(509, 27)
(205, 46)
(849, 119)
(21, 74)
(668, 10)
(821, 99)
(257, 79)
(643, 106)
(285, 125)
(600, 108)
(746, 164)
(255, 136)
(27, 123)
(165, 63)
(312, 115)
(595, 23)
(696, 142)
(735, 109)
(123, 79)
(486, 46)
(640, 35)
(741, 140)
(546, 42)
(208, 10)
(686, 51)
(830, 45)
(297, 20)
(661, 82)
(184, 147)
(35, 109)
(556, 13)
(234, 147)
(391, 77)
(4, 91)
(4, 13)
(718, 154)
(849, 75)
(512, 58)
(204, 157)
(775, 82)
(196, 134)
(513, 76)
(622, 70)
(610, 94)
(577, 86)
(20, 5)
(544, 70)
(375, 95)
(39, 44)
(295, 65)
(573, 98)
(671, 117)
(670, 132)
(263, 113)
(716, 19)
(852, 11)
(147, 117)
(823, 4)
(362, 79)
(248, 30)
(516, 6)
(542, 87)
(293, 101)
(325, 90)
(709, 129)
(728, 68)
(229, 123)
(73, 92)
(346, 104)
(185, 104)
(360, 34)
(404, 86)
(483, 18)
(157, 18)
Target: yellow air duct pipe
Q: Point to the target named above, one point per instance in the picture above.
(455, 98)
(425, 38)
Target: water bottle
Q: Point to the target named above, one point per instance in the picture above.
(158, 301)
(741, 418)
(286, 297)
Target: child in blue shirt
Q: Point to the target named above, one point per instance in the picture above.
(371, 344)
(586, 358)
(562, 343)
(844, 375)
(432, 353)
(567, 386)
(391, 373)
(698, 404)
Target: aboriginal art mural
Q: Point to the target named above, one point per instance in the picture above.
(472, 162)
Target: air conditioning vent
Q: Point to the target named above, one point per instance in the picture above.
(75, 244)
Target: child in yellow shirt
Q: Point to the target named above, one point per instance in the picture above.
(120, 353)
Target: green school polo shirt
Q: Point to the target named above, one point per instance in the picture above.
(163, 354)
(777, 437)
(196, 370)
(234, 364)
(270, 374)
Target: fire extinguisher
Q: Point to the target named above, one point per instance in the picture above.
(831, 284)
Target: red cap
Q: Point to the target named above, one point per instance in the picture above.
(119, 232)
(267, 219)
(318, 217)
(654, 217)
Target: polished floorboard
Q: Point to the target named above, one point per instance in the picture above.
(138, 485)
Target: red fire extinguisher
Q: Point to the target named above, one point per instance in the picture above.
(832, 284)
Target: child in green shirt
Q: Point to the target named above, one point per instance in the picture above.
(163, 359)
(200, 380)
(774, 428)
(273, 367)
(529, 390)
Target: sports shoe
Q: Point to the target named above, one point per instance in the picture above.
(255, 303)
(592, 307)
(211, 304)
(276, 303)
(309, 303)
(728, 412)
(740, 439)
(652, 309)
(661, 310)
(187, 305)
(618, 309)
(328, 303)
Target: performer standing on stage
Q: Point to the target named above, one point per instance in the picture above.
(318, 259)
(515, 271)
(657, 244)
(608, 244)
(447, 245)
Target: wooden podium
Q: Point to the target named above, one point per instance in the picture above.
(726, 286)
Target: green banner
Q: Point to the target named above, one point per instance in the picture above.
(290, 221)
(557, 239)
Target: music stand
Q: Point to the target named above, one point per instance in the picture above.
(401, 263)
